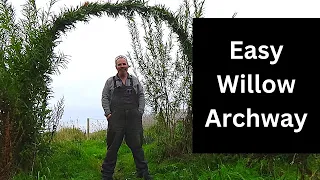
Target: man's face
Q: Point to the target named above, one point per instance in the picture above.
(122, 65)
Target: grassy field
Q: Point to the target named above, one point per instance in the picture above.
(77, 158)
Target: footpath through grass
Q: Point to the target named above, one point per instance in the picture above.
(74, 157)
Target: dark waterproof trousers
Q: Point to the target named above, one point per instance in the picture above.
(125, 123)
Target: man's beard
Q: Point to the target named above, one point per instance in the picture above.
(122, 72)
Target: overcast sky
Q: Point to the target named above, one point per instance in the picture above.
(92, 47)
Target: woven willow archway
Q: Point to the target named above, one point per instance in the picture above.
(34, 60)
(67, 19)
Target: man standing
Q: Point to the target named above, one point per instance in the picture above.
(123, 102)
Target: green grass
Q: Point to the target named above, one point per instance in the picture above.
(80, 159)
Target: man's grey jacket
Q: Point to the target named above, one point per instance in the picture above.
(109, 87)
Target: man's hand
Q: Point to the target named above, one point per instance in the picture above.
(109, 115)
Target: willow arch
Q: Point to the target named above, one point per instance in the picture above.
(34, 61)
(67, 19)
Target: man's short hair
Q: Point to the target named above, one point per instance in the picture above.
(118, 57)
